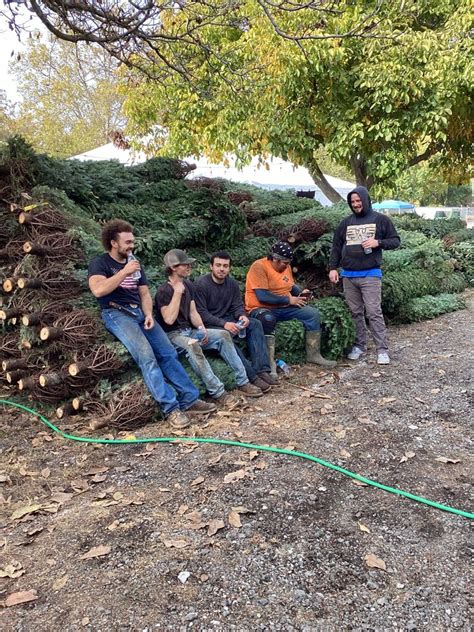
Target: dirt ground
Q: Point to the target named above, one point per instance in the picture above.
(207, 537)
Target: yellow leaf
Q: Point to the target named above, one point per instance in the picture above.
(363, 528)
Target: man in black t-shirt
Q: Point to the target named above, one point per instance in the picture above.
(219, 303)
(119, 283)
(177, 313)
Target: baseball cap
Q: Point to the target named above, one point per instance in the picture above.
(176, 257)
(282, 251)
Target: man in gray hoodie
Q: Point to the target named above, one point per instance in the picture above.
(357, 248)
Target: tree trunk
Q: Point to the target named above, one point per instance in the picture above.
(320, 179)
(359, 168)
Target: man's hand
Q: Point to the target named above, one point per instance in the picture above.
(298, 301)
(149, 322)
(245, 319)
(370, 243)
(178, 286)
(232, 328)
(334, 276)
(131, 267)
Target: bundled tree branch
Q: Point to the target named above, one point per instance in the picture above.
(74, 330)
(54, 246)
(44, 220)
(102, 361)
(130, 408)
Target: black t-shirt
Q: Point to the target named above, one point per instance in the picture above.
(163, 297)
(127, 292)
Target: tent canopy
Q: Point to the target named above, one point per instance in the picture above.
(393, 205)
(274, 173)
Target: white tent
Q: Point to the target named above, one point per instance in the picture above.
(274, 174)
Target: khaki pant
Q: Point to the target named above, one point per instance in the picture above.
(364, 297)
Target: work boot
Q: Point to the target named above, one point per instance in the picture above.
(313, 350)
(201, 408)
(261, 384)
(250, 390)
(270, 340)
(268, 378)
(227, 399)
(178, 420)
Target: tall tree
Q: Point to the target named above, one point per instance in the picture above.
(70, 102)
(377, 104)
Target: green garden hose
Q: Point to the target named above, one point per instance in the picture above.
(251, 446)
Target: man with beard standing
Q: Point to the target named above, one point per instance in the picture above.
(357, 247)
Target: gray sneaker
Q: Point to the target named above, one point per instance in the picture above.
(383, 358)
(355, 353)
(178, 420)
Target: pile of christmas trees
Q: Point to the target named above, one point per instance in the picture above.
(54, 348)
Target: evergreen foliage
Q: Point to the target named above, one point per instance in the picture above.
(426, 307)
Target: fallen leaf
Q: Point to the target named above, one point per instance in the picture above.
(24, 472)
(240, 509)
(359, 483)
(23, 596)
(435, 390)
(197, 481)
(113, 525)
(45, 472)
(60, 582)
(232, 477)
(344, 453)
(234, 520)
(97, 470)
(387, 400)
(373, 561)
(184, 576)
(445, 459)
(253, 454)
(85, 621)
(96, 551)
(99, 478)
(214, 526)
(418, 399)
(215, 460)
(363, 528)
(24, 511)
(176, 544)
(117, 496)
(203, 578)
(104, 503)
(182, 510)
(61, 497)
(14, 569)
(34, 531)
(406, 456)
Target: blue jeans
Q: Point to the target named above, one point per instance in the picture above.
(197, 360)
(308, 315)
(257, 348)
(156, 357)
(222, 342)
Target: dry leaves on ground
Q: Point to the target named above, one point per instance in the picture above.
(24, 596)
(373, 561)
(96, 551)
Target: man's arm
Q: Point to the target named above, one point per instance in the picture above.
(100, 285)
(337, 244)
(170, 312)
(390, 239)
(147, 305)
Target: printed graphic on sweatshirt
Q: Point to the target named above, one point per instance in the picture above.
(356, 234)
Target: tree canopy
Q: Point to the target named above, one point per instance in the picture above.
(70, 101)
(377, 105)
